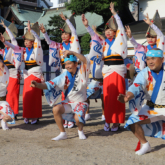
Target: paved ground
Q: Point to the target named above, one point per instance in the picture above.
(31, 144)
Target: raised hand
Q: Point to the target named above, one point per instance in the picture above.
(84, 20)
(147, 20)
(67, 53)
(33, 84)
(42, 28)
(2, 39)
(62, 16)
(2, 23)
(128, 31)
(28, 25)
(112, 8)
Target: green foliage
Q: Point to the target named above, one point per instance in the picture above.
(100, 7)
(85, 43)
(56, 22)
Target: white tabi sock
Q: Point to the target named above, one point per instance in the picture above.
(145, 148)
(106, 127)
(61, 136)
(4, 125)
(87, 117)
(103, 118)
(81, 135)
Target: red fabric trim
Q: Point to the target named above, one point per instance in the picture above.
(63, 97)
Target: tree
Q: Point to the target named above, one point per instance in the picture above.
(100, 7)
(57, 23)
(85, 43)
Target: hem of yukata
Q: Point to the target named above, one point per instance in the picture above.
(9, 122)
(9, 114)
(130, 122)
(70, 116)
(93, 93)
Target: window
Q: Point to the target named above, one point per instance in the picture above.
(62, 1)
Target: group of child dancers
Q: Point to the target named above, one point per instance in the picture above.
(104, 64)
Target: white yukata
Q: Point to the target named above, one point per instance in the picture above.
(4, 105)
(95, 87)
(56, 58)
(114, 72)
(12, 96)
(33, 59)
(74, 89)
(141, 50)
(150, 86)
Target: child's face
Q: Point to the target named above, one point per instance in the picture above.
(28, 43)
(65, 37)
(151, 40)
(110, 34)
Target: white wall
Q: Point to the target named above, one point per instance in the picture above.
(55, 3)
(150, 6)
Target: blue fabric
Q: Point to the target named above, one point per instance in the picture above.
(155, 53)
(149, 47)
(140, 80)
(158, 79)
(152, 130)
(29, 53)
(127, 61)
(110, 43)
(67, 47)
(71, 79)
(5, 54)
(71, 58)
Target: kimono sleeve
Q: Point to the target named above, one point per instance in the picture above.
(55, 87)
(9, 55)
(48, 40)
(37, 49)
(18, 56)
(54, 56)
(13, 40)
(96, 50)
(139, 83)
(160, 38)
(133, 42)
(120, 44)
(74, 41)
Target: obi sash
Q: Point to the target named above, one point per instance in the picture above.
(114, 59)
(8, 64)
(30, 64)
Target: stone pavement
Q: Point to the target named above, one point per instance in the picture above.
(31, 144)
